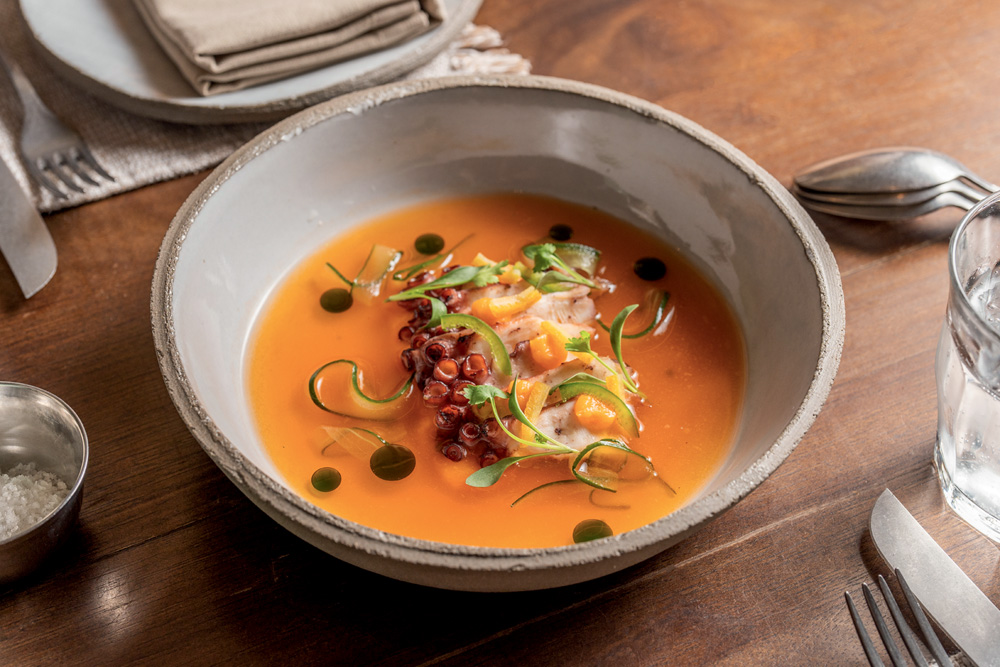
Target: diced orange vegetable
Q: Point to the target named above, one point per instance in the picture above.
(545, 352)
(614, 383)
(593, 414)
(501, 308)
(556, 334)
(510, 276)
(523, 392)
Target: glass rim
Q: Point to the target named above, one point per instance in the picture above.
(956, 285)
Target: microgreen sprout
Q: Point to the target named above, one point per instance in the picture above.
(479, 276)
(481, 394)
(545, 257)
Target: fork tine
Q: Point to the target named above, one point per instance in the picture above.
(866, 641)
(43, 180)
(54, 167)
(883, 630)
(89, 158)
(925, 627)
(72, 162)
(901, 624)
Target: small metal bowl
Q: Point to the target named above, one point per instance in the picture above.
(37, 427)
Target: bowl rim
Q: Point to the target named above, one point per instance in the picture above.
(75, 487)
(275, 499)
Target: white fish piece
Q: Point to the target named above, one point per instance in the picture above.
(572, 306)
(560, 423)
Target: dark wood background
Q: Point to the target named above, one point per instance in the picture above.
(171, 564)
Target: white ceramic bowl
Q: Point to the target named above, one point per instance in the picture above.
(343, 162)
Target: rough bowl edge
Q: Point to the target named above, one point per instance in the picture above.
(601, 557)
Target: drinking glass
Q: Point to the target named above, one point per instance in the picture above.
(967, 454)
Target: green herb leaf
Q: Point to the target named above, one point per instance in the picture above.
(341, 275)
(581, 343)
(481, 393)
(479, 276)
(438, 310)
(546, 256)
(558, 482)
(489, 274)
(584, 377)
(489, 475)
(616, 344)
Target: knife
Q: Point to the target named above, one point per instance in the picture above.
(948, 596)
(24, 239)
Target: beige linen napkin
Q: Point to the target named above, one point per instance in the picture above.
(225, 45)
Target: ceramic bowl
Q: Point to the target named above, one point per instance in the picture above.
(312, 176)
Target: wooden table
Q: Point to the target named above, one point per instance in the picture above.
(172, 564)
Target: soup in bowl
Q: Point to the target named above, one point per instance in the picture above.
(495, 334)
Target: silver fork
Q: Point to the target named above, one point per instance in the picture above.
(48, 145)
(930, 638)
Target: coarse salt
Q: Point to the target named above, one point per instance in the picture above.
(27, 495)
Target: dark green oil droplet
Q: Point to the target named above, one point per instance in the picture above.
(560, 232)
(336, 300)
(392, 462)
(326, 479)
(591, 529)
(650, 268)
(429, 244)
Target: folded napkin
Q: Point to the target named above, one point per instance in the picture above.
(225, 45)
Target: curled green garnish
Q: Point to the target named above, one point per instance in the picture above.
(661, 309)
(598, 477)
(358, 404)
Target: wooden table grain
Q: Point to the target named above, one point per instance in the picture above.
(171, 564)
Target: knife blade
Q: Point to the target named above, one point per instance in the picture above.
(948, 596)
(25, 241)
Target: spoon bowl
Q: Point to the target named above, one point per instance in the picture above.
(887, 213)
(909, 198)
(886, 170)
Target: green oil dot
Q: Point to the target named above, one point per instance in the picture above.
(325, 480)
(429, 244)
(591, 529)
(392, 462)
(336, 300)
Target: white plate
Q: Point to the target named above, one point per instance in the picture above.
(104, 47)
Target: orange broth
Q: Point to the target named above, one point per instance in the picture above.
(693, 375)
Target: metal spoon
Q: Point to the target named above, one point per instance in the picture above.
(886, 170)
(891, 212)
(908, 198)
